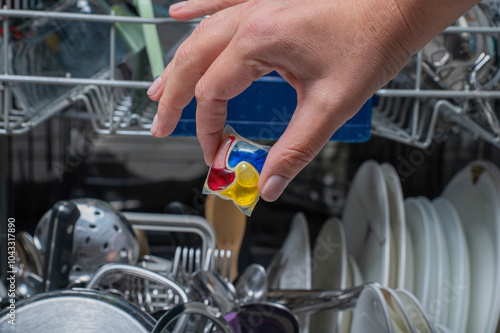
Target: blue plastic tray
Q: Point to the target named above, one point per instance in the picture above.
(264, 109)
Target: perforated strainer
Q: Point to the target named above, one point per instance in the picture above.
(102, 235)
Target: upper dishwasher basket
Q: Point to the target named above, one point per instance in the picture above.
(453, 80)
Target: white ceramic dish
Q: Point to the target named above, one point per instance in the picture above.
(345, 325)
(295, 264)
(436, 305)
(475, 194)
(458, 251)
(329, 271)
(417, 315)
(356, 272)
(371, 313)
(397, 267)
(400, 319)
(366, 222)
(409, 283)
(422, 240)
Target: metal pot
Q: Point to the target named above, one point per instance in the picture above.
(78, 310)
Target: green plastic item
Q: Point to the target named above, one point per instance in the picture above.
(153, 45)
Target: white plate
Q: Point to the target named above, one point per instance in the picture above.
(398, 227)
(329, 271)
(458, 251)
(400, 319)
(475, 194)
(436, 305)
(295, 264)
(417, 315)
(345, 325)
(420, 233)
(371, 313)
(409, 283)
(366, 222)
(356, 272)
(443, 329)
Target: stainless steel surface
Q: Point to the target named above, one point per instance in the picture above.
(192, 308)
(102, 235)
(208, 287)
(175, 223)
(251, 286)
(220, 263)
(314, 301)
(114, 270)
(456, 71)
(83, 312)
(267, 317)
(28, 266)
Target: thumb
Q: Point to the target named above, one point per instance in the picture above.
(311, 126)
(188, 10)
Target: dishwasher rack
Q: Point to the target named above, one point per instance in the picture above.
(409, 109)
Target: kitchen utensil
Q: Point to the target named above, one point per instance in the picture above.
(101, 235)
(220, 263)
(229, 224)
(81, 310)
(28, 266)
(192, 308)
(475, 193)
(314, 301)
(366, 223)
(60, 229)
(208, 287)
(267, 317)
(112, 270)
(251, 286)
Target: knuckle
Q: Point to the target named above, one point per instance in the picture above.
(202, 92)
(183, 55)
(296, 157)
(203, 25)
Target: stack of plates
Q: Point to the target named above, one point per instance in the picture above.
(436, 263)
(442, 255)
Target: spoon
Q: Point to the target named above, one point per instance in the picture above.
(252, 284)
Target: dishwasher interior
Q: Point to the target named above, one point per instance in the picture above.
(393, 227)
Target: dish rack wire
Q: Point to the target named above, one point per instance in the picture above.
(407, 112)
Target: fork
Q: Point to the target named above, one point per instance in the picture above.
(188, 260)
(219, 261)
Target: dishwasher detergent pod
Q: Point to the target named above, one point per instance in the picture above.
(234, 174)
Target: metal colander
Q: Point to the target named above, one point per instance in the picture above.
(102, 235)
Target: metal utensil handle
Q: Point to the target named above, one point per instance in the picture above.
(192, 308)
(138, 272)
(314, 301)
(58, 253)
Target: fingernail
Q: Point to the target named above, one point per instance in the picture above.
(274, 187)
(154, 87)
(177, 6)
(154, 125)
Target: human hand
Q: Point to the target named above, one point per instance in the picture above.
(335, 53)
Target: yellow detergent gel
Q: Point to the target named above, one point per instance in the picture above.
(245, 190)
